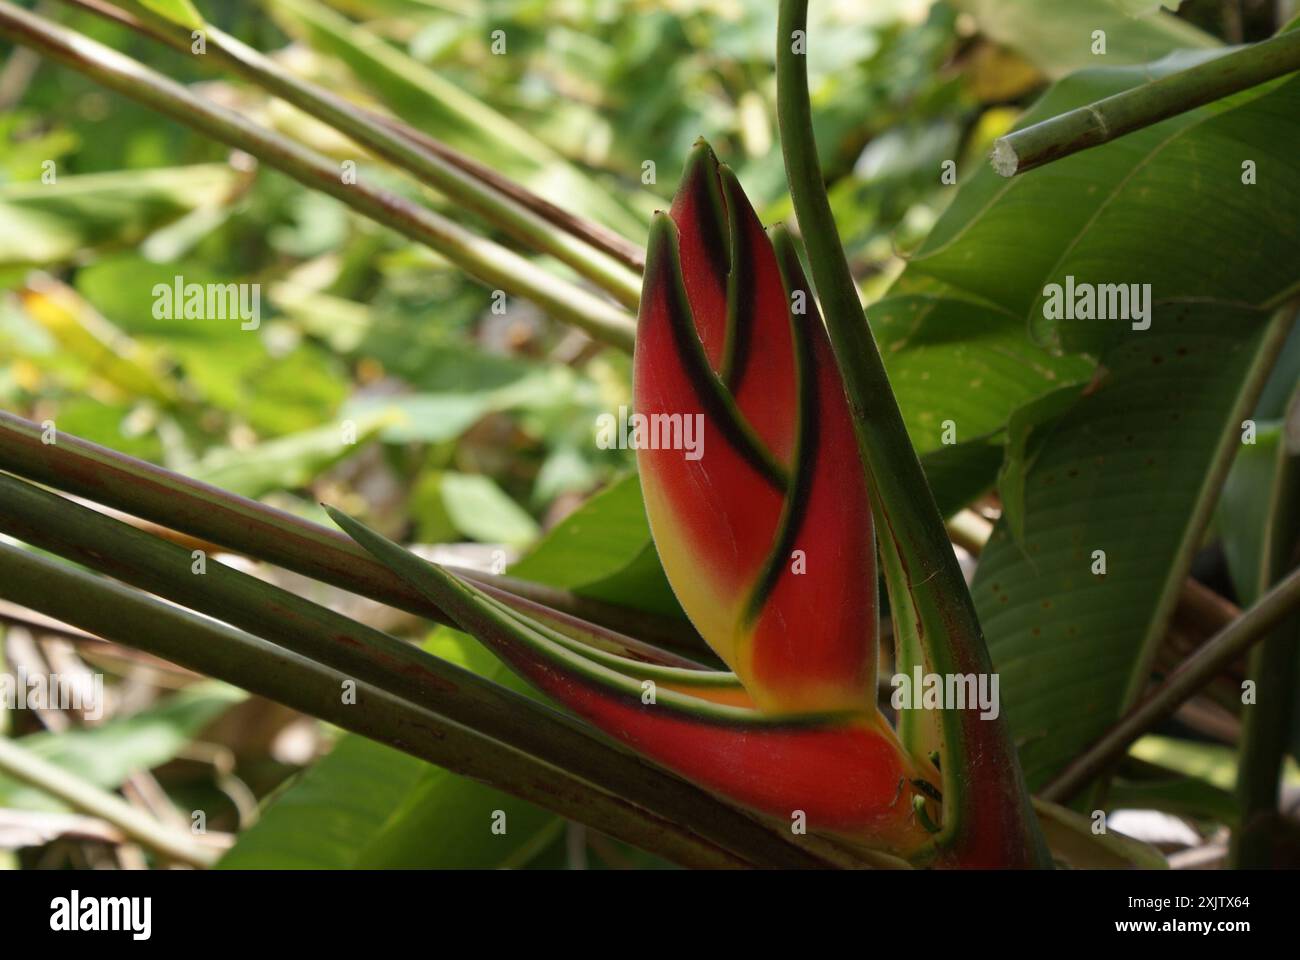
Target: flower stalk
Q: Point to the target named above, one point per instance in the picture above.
(987, 817)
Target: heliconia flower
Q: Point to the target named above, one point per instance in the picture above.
(766, 538)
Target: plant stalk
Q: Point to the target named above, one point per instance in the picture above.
(1268, 722)
(518, 212)
(246, 526)
(1194, 672)
(323, 636)
(1121, 114)
(987, 812)
(127, 617)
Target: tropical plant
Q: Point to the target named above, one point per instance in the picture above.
(1080, 372)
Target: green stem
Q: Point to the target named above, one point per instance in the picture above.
(489, 262)
(1267, 722)
(322, 636)
(1115, 116)
(1190, 676)
(1265, 740)
(455, 175)
(22, 764)
(246, 526)
(124, 616)
(986, 807)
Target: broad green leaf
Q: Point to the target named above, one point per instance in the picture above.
(368, 806)
(603, 550)
(961, 473)
(1124, 472)
(275, 394)
(960, 367)
(1130, 468)
(1245, 510)
(123, 287)
(228, 367)
(1025, 434)
(1165, 206)
(1058, 35)
(112, 425)
(50, 223)
(106, 755)
(603, 536)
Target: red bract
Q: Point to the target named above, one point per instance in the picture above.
(767, 537)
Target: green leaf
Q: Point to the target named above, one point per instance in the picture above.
(482, 510)
(950, 358)
(1245, 513)
(182, 12)
(603, 550)
(121, 287)
(1057, 35)
(933, 339)
(106, 755)
(50, 223)
(1164, 206)
(1025, 435)
(1130, 471)
(287, 462)
(275, 394)
(1132, 468)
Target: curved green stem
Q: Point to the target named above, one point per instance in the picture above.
(986, 804)
(488, 262)
(130, 618)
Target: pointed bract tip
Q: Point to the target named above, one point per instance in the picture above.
(662, 239)
(701, 160)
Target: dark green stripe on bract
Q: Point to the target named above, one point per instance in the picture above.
(807, 434)
(700, 179)
(741, 285)
(664, 273)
